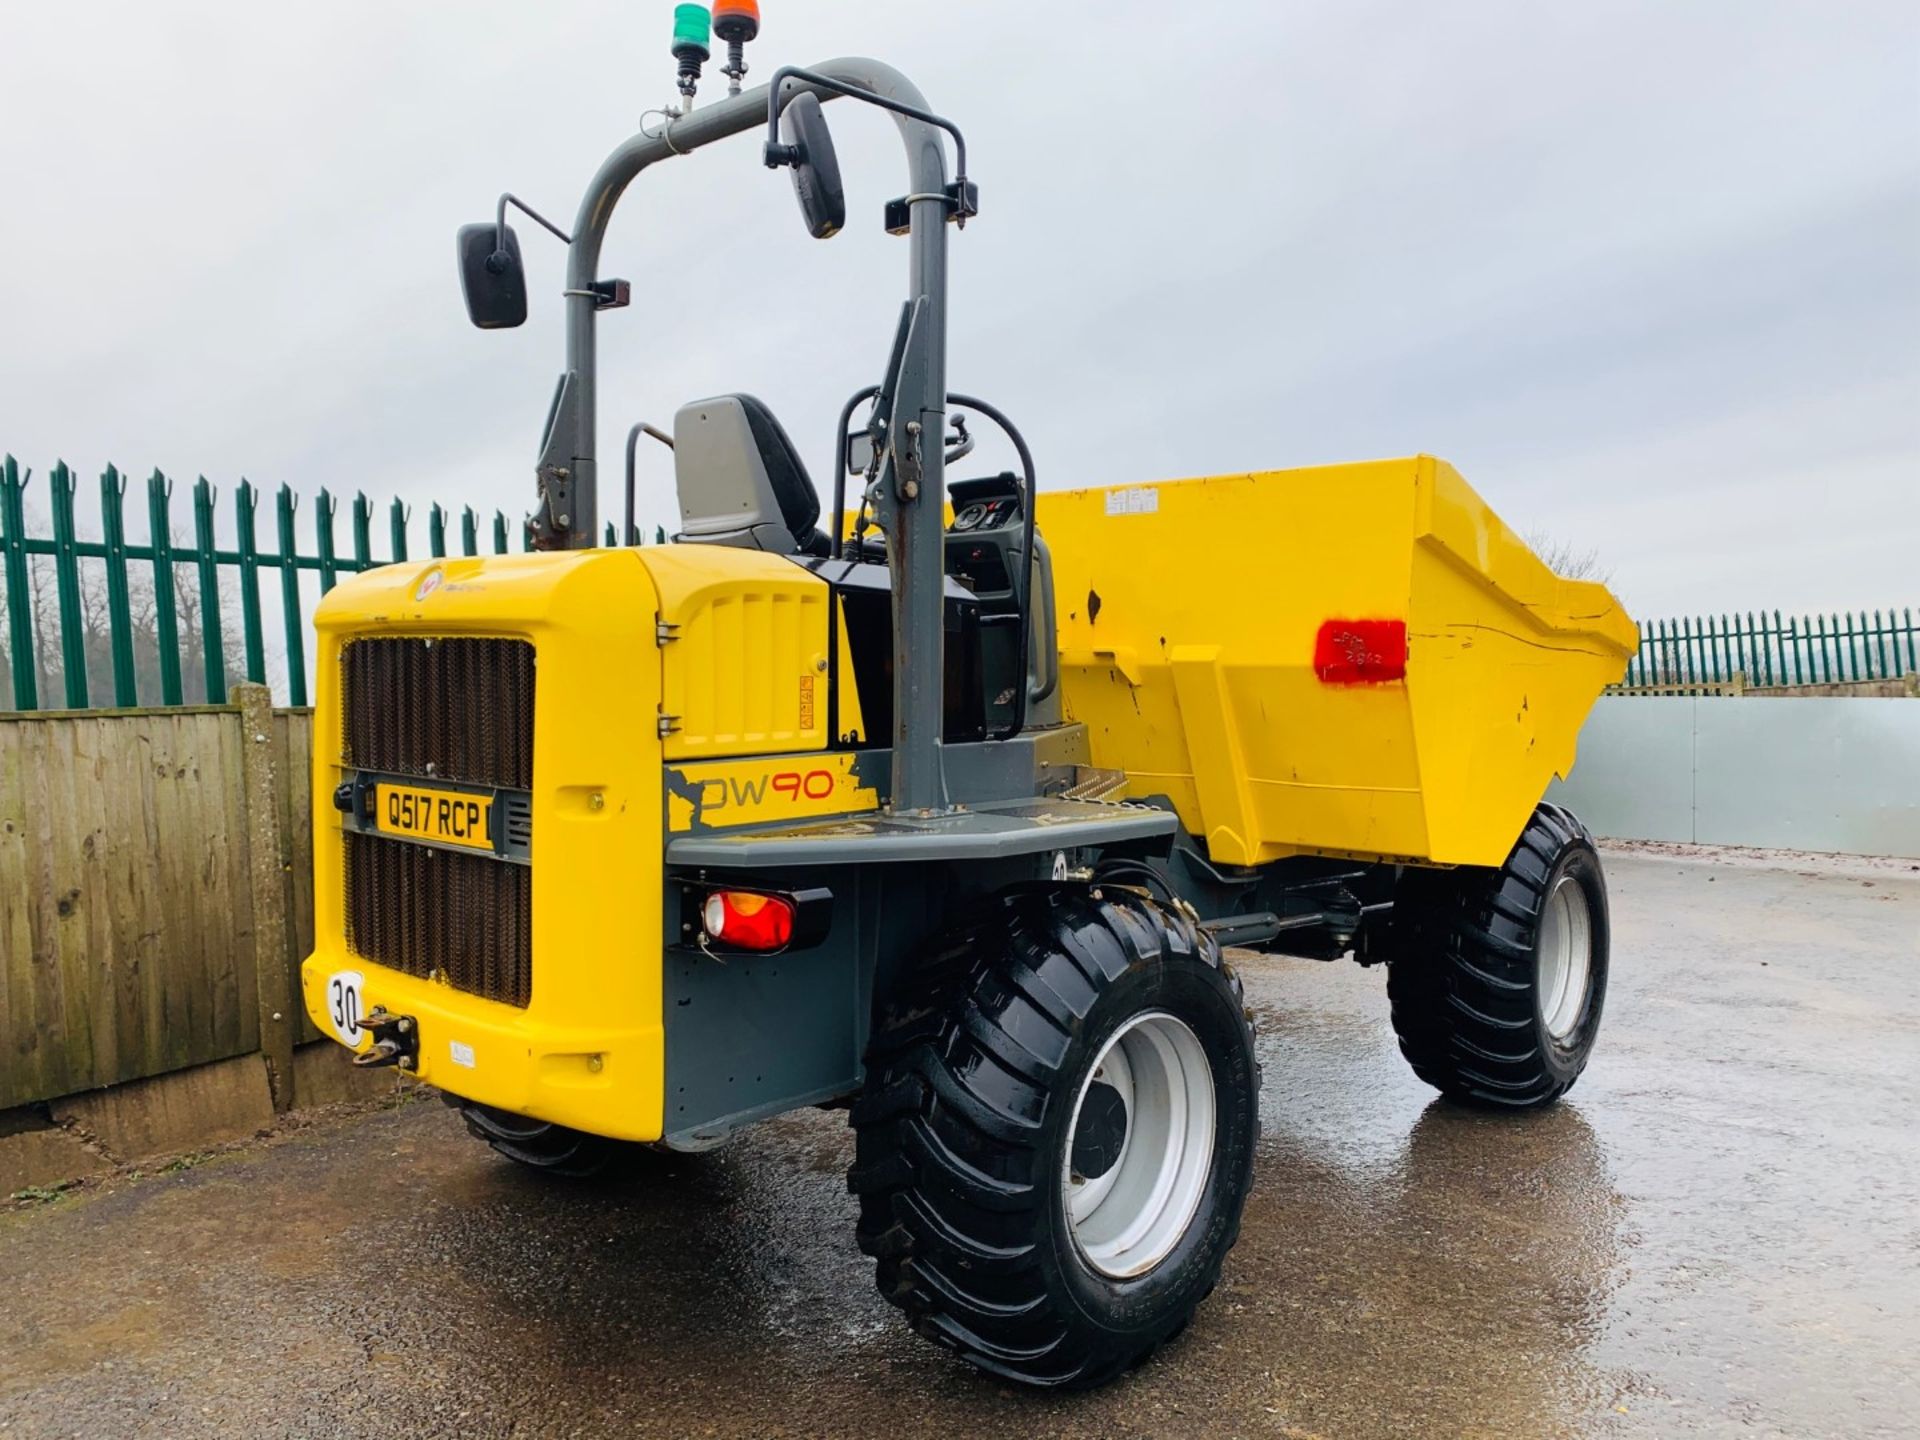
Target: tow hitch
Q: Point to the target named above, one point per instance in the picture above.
(396, 1040)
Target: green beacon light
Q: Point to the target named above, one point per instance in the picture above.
(692, 38)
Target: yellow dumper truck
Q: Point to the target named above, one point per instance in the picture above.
(945, 813)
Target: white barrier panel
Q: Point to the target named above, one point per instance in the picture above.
(1806, 774)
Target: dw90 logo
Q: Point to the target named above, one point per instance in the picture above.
(808, 784)
(725, 792)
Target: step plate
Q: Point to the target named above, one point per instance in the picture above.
(982, 832)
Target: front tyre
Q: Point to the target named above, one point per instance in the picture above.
(550, 1149)
(1056, 1134)
(1497, 977)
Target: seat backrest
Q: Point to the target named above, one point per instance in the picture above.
(740, 480)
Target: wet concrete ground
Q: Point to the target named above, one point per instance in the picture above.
(1718, 1234)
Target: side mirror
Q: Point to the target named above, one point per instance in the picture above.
(492, 277)
(816, 168)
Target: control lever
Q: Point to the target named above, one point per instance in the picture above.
(961, 442)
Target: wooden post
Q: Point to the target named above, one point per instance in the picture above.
(266, 879)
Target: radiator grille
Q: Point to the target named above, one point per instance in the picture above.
(466, 918)
(452, 709)
(449, 709)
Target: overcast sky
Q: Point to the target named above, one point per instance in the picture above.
(1647, 273)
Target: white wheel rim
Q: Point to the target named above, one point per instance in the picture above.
(1566, 957)
(1127, 1217)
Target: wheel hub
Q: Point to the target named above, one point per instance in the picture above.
(1566, 958)
(1140, 1149)
(1101, 1132)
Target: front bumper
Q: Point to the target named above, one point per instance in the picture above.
(604, 1081)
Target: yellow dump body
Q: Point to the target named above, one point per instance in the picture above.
(1192, 614)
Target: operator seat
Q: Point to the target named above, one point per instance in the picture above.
(740, 480)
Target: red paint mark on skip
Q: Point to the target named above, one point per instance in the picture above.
(1361, 652)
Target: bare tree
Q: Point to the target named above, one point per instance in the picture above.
(1568, 561)
(193, 645)
(96, 631)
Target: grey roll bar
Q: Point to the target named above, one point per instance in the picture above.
(567, 516)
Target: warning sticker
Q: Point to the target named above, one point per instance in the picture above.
(1134, 500)
(806, 702)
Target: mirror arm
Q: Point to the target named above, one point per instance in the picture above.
(778, 154)
(500, 218)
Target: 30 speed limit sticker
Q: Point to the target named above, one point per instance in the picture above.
(343, 1005)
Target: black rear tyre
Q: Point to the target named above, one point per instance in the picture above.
(1497, 977)
(991, 1087)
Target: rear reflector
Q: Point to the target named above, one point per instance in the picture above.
(1361, 652)
(742, 920)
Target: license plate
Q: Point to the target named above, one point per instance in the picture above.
(444, 817)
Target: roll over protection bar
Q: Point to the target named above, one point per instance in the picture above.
(568, 511)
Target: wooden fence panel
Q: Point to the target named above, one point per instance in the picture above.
(126, 923)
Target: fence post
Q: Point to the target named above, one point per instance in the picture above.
(113, 532)
(13, 541)
(246, 504)
(437, 531)
(469, 531)
(397, 522)
(283, 504)
(166, 623)
(499, 532)
(266, 882)
(66, 575)
(362, 532)
(324, 507)
(214, 648)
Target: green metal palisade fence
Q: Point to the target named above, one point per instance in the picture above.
(1706, 652)
(157, 561)
(1762, 651)
(159, 557)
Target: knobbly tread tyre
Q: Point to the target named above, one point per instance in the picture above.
(1462, 973)
(960, 1132)
(551, 1149)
